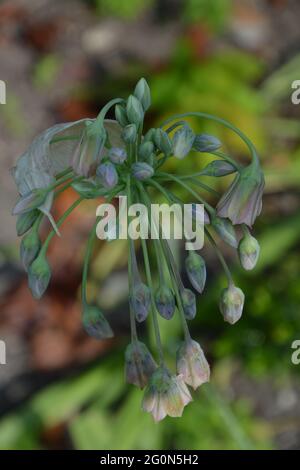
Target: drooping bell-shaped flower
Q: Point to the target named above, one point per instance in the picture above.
(191, 364)
(188, 300)
(107, 174)
(166, 394)
(196, 271)
(39, 275)
(165, 302)
(182, 141)
(242, 202)
(248, 251)
(95, 323)
(232, 303)
(206, 143)
(142, 171)
(139, 364)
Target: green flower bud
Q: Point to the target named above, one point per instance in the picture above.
(26, 221)
(149, 136)
(89, 189)
(146, 149)
(95, 323)
(39, 275)
(129, 134)
(206, 143)
(188, 300)
(163, 142)
(140, 300)
(191, 364)
(165, 302)
(139, 364)
(183, 141)
(231, 303)
(121, 116)
(90, 148)
(248, 251)
(142, 93)
(225, 230)
(218, 168)
(142, 171)
(107, 175)
(134, 110)
(30, 247)
(30, 201)
(196, 271)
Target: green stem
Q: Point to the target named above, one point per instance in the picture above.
(154, 313)
(59, 223)
(174, 275)
(207, 206)
(227, 158)
(88, 253)
(196, 182)
(225, 123)
(220, 256)
(133, 329)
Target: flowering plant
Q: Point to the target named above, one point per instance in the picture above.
(109, 158)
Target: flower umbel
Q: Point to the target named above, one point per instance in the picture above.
(107, 159)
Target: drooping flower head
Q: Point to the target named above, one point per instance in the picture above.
(107, 159)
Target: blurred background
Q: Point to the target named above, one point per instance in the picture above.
(236, 59)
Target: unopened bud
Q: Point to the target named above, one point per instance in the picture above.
(165, 302)
(188, 300)
(218, 168)
(183, 141)
(107, 174)
(39, 275)
(142, 171)
(191, 364)
(140, 300)
(95, 323)
(146, 149)
(121, 115)
(139, 364)
(163, 142)
(231, 303)
(248, 251)
(225, 230)
(29, 248)
(149, 136)
(206, 143)
(134, 110)
(129, 134)
(142, 93)
(117, 155)
(89, 189)
(26, 221)
(196, 271)
(30, 201)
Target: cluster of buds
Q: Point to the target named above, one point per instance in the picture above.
(107, 158)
